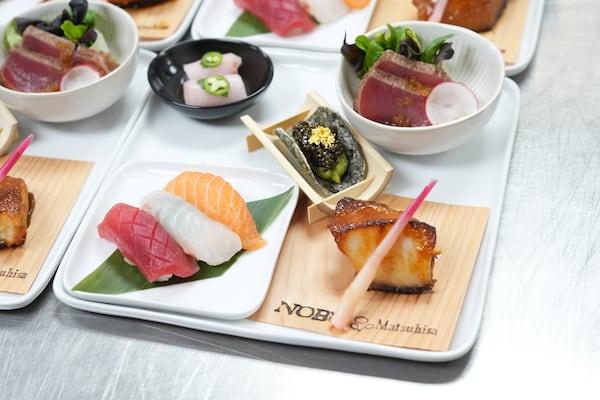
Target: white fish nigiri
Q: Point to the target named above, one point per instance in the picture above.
(325, 11)
(199, 236)
(230, 63)
(195, 95)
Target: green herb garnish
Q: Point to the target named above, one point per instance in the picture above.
(403, 40)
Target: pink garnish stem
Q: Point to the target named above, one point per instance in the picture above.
(438, 11)
(12, 159)
(343, 316)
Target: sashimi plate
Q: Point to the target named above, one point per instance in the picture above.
(234, 295)
(215, 18)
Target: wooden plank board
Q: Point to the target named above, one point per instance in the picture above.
(56, 184)
(312, 274)
(506, 35)
(160, 21)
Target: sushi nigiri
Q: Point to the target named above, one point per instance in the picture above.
(219, 200)
(200, 236)
(219, 64)
(326, 11)
(215, 90)
(282, 17)
(146, 244)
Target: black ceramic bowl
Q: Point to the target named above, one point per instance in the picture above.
(166, 75)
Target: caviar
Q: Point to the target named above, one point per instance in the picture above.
(318, 144)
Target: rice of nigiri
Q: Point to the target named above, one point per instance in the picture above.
(144, 243)
(230, 64)
(204, 238)
(219, 200)
(326, 11)
(195, 95)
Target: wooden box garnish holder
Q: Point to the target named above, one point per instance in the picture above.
(379, 171)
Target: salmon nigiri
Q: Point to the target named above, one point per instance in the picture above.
(219, 200)
(145, 244)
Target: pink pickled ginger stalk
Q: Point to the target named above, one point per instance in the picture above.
(438, 11)
(343, 316)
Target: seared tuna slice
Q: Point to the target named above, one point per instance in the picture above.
(399, 65)
(385, 98)
(100, 60)
(395, 89)
(36, 39)
(28, 71)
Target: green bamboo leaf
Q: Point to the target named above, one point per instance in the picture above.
(246, 25)
(115, 276)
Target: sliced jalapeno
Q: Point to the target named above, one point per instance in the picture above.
(217, 85)
(211, 59)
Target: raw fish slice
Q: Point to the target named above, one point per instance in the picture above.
(403, 103)
(195, 95)
(403, 67)
(38, 40)
(215, 197)
(145, 244)
(326, 11)
(282, 17)
(200, 236)
(229, 65)
(100, 60)
(27, 71)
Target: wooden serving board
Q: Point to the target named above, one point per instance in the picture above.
(160, 21)
(56, 184)
(312, 274)
(507, 33)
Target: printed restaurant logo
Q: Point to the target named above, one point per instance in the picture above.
(359, 323)
(12, 273)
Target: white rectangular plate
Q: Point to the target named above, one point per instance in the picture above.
(215, 17)
(236, 294)
(473, 174)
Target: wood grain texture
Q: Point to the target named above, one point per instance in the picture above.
(56, 184)
(160, 21)
(312, 274)
(506, 35)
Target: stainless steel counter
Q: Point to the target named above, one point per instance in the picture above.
(539, 334)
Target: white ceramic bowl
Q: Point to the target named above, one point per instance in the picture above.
(476, 62)
(121, 36)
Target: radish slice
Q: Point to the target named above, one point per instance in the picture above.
(78, 76)
(450, 101)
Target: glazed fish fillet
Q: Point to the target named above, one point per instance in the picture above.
(16, 205)
(358, 226)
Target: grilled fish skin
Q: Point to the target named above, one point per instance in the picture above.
(16, 205)
(358, 226)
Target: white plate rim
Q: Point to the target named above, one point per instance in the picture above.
(530, 37)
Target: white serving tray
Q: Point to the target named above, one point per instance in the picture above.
(473, 174)
(530, 37)
(214, 18)
(93, 139)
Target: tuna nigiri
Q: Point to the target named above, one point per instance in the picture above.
(145, 244)
(283, 17)
(219, 200)
(200, 236)
(215, 90)
(218, 64)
